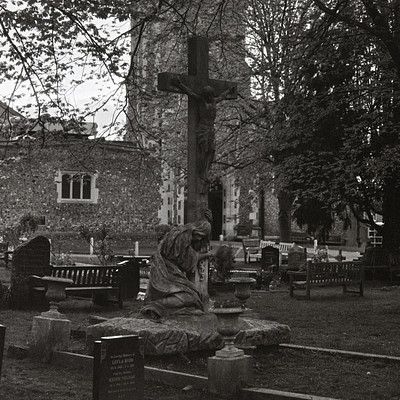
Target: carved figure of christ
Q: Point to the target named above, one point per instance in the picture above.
(204, 94)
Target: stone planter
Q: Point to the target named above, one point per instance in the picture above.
(228, 328)
(242, 288)
(55, 294)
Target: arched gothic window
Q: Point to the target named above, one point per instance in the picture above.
(73, 187)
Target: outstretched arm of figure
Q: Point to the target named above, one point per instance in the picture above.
(225, 93)
(202, 256)
(179, 84)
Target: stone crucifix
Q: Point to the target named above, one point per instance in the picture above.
(204, 94)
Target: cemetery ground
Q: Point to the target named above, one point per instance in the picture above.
(331, 320)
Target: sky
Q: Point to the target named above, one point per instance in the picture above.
(78, 96)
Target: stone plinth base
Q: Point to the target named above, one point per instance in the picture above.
(185, 333)
(226, 375)
(49, 334)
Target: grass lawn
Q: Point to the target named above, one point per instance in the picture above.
(369, 324)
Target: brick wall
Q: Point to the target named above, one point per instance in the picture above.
(128, 183)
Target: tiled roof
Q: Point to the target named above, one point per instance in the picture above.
(4, 108)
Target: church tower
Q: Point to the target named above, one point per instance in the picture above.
(159, 120)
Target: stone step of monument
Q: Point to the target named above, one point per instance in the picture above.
(186, 333)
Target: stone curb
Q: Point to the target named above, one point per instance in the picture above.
(341, 352)
(268, 394)
(172, 378)
(180, 379)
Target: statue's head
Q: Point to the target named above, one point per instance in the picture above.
(201, 234)
(208, 215)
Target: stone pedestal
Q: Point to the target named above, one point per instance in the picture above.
(49, 333)
(226, 375)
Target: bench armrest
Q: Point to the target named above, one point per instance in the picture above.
(35, 280)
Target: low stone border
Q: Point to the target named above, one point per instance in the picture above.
(268, 394)
(172, 378)
(341, 352)
(180, 379)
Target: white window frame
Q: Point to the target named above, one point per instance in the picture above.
(373, 236)
(94, 192)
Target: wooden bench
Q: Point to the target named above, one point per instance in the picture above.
(250, 248)
(378, 258)
(375, 258)
(5, 254)
(328, 274)
(97, 280)
(282, 246)
(394, 260)
(333, 240)
(299, 237)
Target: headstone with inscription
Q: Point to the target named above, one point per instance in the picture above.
(270, 259)
(118, 368)
(29, 258)
(2, 340)
(297, 258)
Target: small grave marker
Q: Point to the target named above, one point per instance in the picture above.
(2, 340)
(297, 257)
(118, 369)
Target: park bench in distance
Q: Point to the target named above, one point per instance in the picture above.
(378, 258)
(251, 247)
(328, 274)
(97, 280)
(333, 240)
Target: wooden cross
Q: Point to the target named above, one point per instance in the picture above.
(196, 80)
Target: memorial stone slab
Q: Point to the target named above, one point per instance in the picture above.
(118, 369)
(269, 258)
(29, 258)
(297, 258)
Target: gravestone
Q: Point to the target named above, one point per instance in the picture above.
(270, 258)
(297, 258)
(29, 258)
(118, 368)
(2, 340)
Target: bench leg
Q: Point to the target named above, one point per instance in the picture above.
(120, 299)
(308, 292)
(361, 289)
(344, 289)
(291, 285)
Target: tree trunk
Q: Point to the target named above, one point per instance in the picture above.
(391, 212)
(285, 200)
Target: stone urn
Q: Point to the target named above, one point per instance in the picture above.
(228, 328)
(242, 288)
(55, 294)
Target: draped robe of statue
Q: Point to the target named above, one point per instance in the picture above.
(170, 291)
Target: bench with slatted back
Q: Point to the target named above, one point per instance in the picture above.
(251, 247)
(97, 280)
(319, 274)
